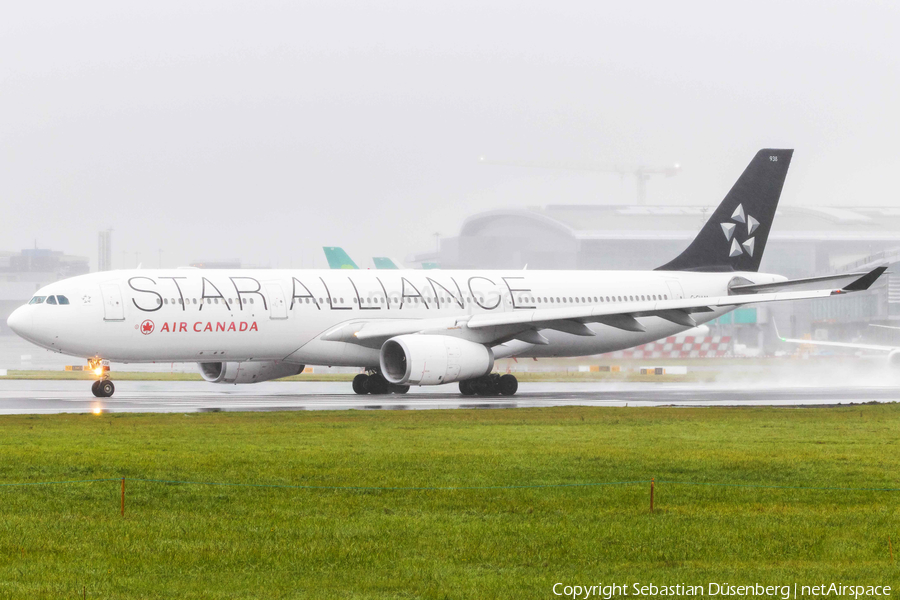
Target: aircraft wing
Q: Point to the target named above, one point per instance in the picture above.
(525, 325)
(795, 284)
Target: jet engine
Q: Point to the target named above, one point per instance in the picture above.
(247, 371)
(433, 359)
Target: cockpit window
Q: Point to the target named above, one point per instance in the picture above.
(51, 299)
(38, 300)
(62, 299)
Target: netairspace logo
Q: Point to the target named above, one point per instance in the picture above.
(715, 590)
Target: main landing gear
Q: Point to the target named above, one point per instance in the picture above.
(490, 385)
(103, 387)
(375, 383)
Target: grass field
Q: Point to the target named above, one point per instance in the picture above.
(504, 541)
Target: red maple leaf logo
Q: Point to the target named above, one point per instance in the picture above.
(147, 327)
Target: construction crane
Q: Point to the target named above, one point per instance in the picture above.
(641, 173)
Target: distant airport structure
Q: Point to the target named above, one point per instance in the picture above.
(104, 250)
(805, 241)
(232, 263)
(641, 173)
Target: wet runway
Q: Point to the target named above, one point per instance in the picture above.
(46, 397)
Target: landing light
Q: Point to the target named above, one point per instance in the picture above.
(97, 410)
(98, 371)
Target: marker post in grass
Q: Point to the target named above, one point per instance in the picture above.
(651, 493)
(123, 496)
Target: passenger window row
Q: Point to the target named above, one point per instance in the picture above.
(450, 302)
(594, 299)
(186, 301)
(60, 299)
(445, 301)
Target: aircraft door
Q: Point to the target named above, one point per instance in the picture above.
(507, 298)
(113, 308)
(675, 290)
(277, 305)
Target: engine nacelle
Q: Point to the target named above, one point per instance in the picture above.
(247, 371)
(433, 359)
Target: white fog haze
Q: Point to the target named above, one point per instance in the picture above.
(263, 131)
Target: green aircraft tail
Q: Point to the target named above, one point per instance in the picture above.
(338, 259)
(383, 262)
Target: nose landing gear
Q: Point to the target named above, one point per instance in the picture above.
(103, 387)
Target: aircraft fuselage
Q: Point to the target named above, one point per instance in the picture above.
(190, 315)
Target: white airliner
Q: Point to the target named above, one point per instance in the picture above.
(413, 327)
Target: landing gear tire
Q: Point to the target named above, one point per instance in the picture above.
(360, 384)
(376, 384)
(490, 385)
(507, 385)
(95, 389)
(106, 389)
(465, 388)
(485, 386)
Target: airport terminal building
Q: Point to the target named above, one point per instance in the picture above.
(804, 241)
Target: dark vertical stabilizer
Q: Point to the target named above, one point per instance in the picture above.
(735, 237)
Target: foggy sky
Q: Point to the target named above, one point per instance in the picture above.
(264, 130)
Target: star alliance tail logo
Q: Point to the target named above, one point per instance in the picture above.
(729, 230)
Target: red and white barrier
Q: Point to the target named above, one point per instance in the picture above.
(679, 347)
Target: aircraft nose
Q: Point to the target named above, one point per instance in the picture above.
(20, 321)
